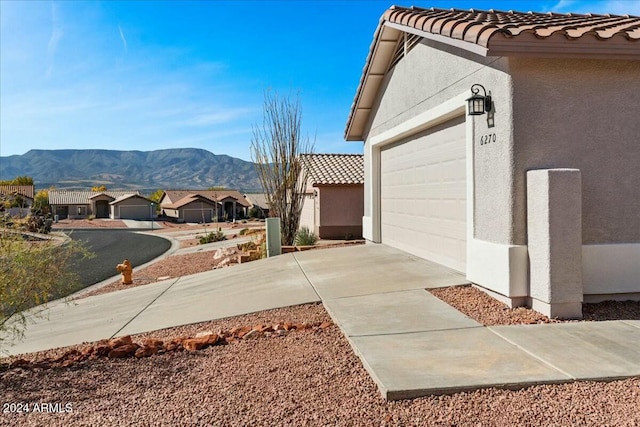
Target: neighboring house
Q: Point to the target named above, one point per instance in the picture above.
(259, 202)
(232, 204)
(132, 206)
(334, 198)
(537, 200)
(81, 204)
(22, 194)
(192, 208)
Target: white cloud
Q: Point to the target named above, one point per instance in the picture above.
(57, 33)
(124, 40)
(221, 115)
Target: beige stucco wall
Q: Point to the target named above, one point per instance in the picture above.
(582, 114)
(340, 210)
(430, 75)
(548, 113)
(307, 214)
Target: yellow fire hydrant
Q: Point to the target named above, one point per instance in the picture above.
(127, 272)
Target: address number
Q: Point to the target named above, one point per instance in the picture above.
(486, 139)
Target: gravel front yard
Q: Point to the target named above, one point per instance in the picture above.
(308, 377)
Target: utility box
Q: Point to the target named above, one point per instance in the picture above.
(274, 244)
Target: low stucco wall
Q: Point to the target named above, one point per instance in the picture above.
(340, 211)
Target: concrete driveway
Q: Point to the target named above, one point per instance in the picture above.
(411, 343)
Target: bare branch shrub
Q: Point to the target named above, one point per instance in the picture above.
(275, 147)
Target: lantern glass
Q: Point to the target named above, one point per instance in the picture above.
(476, 105)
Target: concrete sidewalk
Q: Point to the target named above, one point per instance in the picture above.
(413, 344)
(410, 342)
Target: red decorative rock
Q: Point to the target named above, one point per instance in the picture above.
(201, 341)
(102, 350)
(123, 351)
(120, 341)
(145, 351)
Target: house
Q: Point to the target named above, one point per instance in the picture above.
(537, 199)
(82, 204)
(192, 208)
(334, 198)
(132, 206)
(232, 204)
(258, 201)
(20, 195)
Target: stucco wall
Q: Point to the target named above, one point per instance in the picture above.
(427, 77)
(340, 210)
(582, 114)
(307, 215)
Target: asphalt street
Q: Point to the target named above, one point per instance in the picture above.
(111, 247)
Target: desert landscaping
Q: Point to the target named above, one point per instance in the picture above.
(289, 366)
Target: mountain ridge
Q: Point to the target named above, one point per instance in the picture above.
(171, 168)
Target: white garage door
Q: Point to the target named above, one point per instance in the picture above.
(198, 215)
(423, 194)
(135, 212)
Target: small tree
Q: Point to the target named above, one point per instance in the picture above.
(19, 180)
(99, 188)
(41, 202)
(275, 147)
(32, 273)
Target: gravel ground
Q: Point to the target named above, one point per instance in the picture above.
(309, 377)
(491, 312)
(306, 377)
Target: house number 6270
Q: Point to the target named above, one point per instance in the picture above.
(485, 139)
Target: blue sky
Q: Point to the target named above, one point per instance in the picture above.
(145, 75)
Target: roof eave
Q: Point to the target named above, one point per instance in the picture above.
(386, 39)
(558, 46)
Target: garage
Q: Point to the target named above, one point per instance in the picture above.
(197, 215)
(423, 194)
(134, 212)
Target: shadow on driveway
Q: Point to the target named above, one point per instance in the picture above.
(111, 247)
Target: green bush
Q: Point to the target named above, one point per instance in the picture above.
(305, 237)
(255, 212)
(215, 236)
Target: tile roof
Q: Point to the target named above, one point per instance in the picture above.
(64, 197)
(190, 198)
(216, 195)
(128, 196)
(257, 199)
(24, 190)
(489, 33)
(479, 26)
(334, 169)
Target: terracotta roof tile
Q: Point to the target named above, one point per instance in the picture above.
(215, 195)
(478, 26)
(64, 197)
(488, 33)
(334, 169)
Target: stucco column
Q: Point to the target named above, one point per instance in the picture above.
(554, 222)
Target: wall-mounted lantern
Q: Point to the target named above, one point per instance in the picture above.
(479, 104)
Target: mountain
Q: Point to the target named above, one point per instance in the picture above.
(180, 168)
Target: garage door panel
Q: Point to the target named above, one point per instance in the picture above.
(423, 194)
(134, 212)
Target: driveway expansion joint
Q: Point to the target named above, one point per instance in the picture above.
(307, 277)
(146, 307)
(535, 356)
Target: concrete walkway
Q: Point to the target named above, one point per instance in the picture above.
(410, 342)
